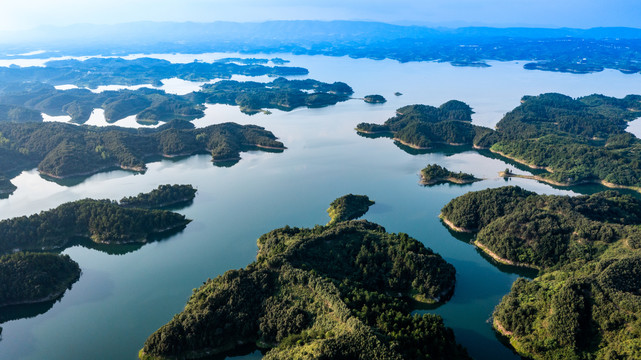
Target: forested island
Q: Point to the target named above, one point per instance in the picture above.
(97, 71)
(341, 291)
(65, 150)
(424, 126)
(585, 302)
(102, 221)
(434, 174)
(163, 196)
(348, 207)
(576, 141)
(27, 278)
(23, 101)
(374, 99)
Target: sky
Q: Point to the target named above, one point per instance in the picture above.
(26, 14)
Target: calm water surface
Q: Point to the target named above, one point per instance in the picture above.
(125, 294)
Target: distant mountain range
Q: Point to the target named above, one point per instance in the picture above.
(563, 49)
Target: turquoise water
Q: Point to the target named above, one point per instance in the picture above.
(125, 295)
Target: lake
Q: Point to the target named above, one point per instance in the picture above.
(124, 294)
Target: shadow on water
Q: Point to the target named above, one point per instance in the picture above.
(122, 249)
(447, 150)
(468, 238)
(76, 180)
(26, 311)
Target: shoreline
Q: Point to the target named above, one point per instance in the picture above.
(501, 260)
(50, 297)
(448, 179)
(454, 227)
(582, 182)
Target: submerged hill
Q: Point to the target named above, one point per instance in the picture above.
(344, 290)
(585, 303)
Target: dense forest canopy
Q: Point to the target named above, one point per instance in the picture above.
(576, 140)
(103, 221)
(423, 126)
(35, 277)
(586, 301)
(63, 150)
(348, 207)
(329, 292)
(163, 196)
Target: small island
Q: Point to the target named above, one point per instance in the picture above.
(374, 99)
(340, 291)
(6, 186)
(435, 174)
(101, 221)
(29, 278)
(588, 252)
(163, 196)
(348, 207)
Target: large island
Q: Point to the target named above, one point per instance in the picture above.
(341, 291)
(576, 141)
(584, 304)
(64, 150)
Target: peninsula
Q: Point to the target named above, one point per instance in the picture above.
(163, 196)
(588, 252)
(343, 290)
(435, 174)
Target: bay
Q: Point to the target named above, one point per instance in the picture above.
(125, 295)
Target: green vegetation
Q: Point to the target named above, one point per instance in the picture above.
(422, 126)
(348, 207)
(374, 99)
(6, 187)
(434, 174)
(576, 140)
(103, 221)
(279, 94)
(94, 72)
(18, 114)
(586, 301)
(330, 292)
(163, 196)
(22, 101)
(64, 150)
(29, 277)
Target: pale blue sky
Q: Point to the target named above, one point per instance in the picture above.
(24, 14)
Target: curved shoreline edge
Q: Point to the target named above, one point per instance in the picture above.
(451, 225)
(557, 183)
